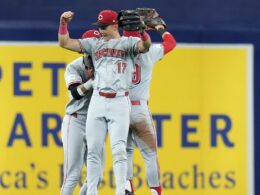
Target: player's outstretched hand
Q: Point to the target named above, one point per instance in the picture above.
(66, 17)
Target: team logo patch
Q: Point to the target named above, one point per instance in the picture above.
(100, 17)
(96, 33)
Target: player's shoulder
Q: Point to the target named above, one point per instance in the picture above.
(75, 63)
(90, 40)
(153, 50)
(154, 54)
(78, 60)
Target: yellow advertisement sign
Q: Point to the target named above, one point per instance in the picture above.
(201, 101)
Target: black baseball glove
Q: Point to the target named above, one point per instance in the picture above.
(130, 20)
(150, 17)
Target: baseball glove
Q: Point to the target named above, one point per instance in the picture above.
(129, 20)
(150, 17)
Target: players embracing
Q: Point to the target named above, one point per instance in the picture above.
(116, 59)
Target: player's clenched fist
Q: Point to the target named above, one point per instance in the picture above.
(66, 17)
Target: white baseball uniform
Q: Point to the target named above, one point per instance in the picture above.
(142, 131)
(109, 108)
(73, 128)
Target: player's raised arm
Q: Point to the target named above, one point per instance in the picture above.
(169, 42)
(63, 35)
(145, 43)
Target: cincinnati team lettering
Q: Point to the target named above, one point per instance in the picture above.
(109, 52)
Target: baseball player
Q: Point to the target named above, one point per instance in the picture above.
(109, 108)
(142, 131)
(79, 86)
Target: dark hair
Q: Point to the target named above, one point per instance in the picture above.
(87, 61)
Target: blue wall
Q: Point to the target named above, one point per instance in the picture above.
(214, 21)
(42, 16)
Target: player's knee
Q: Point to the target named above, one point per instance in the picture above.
(94, 154)
(148, 154)
(94, 149)
(119, 152)
(71, 181)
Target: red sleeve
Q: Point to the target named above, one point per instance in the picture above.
(169, 43)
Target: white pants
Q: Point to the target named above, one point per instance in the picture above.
(75, 148)
(143, 134)
(112, 115)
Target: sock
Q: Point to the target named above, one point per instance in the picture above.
(157, 189)
(129, 186)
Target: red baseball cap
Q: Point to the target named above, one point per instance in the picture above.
(106, 17)
(90, 33)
